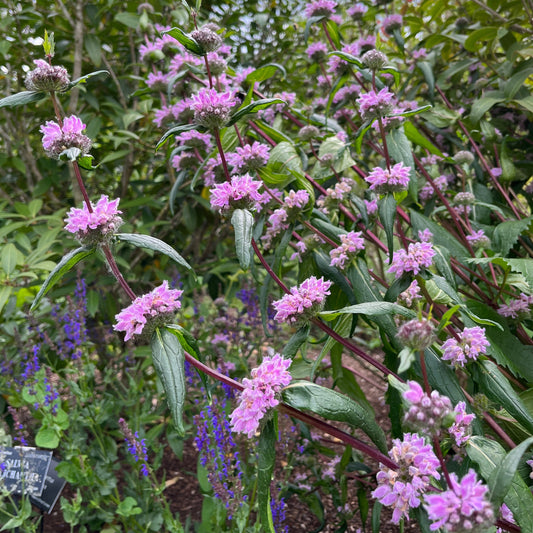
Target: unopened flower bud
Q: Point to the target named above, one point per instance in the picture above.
(208, 39)
(308, 133)
(416, 334)
(374, 59)
(463, 157)
(464, 198)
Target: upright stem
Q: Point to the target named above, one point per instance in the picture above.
(216, 134)
(116, 272)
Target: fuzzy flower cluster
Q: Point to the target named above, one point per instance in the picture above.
(410, 295)
(357, 10)
(279, 220)
(518, 308)
(97, 225)
(46, 77)
(385, 181)
(259, 393)
(427, 414)
(211, 108)
(335, 195)
(248, 158)
(351, 243)
(302, 302)
(373, 105)
(402, 488)
(391, 23)
(428, 191)
(242, 192)
(57, 139)
(320, 8)
(461, 429)
(146, 311)
(469, 347)
(417, 334)
(418, 255)
(464, 507)
(317, 52)
(478, 239)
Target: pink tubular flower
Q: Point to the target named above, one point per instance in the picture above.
(373, 105)
(463, 507)
(402, 488)
(427, 191)
(241, 193)
(518, 308)
(46, 77)
(317, 52)
(472, 343)
(158, 81)
(386, 181)
(195, 139)
(391, 23)
(427, 413)
(303, 302)
(150, 52)
(410, 295)
(320, 8)
(478, 239)
(95, 226)
(351, 243)
(417, 256)
(211, 108)
(57, 139)
(259, 394)
(357, 11)
(143, 313)
(460, 429)
(248, 157)
(296, 199)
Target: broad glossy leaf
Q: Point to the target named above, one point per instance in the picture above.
(168, 357)
(147, 241)
(332, 405)
(243, 222)
(488, 454)
(481, 106)
(67, 263)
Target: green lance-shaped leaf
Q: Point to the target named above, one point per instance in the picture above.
(416, 137)
(254, 107)
(177, 130)
(370, 309)
(146, 241)
(291, 348)
(243, 222)
(488, 455)
(186, 40)
(49, 44)
(83, 79)
(266, 455)
(24, 97)
(265, 72)
(502, 477)
(66, 263)
(169, 357)
(497, 388)
(387, 214)
(332, 405)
